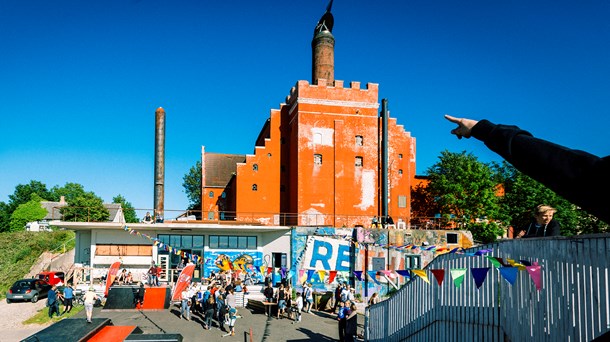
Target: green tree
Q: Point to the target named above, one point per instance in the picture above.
(485, 232)
(192, 185)
(21, 195)
(27, 212)
(83, 207)
(463, 186)
(70, 191)
(128, 211)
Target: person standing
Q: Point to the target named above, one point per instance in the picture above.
(299, 308)
(232, 319)
(543, 224)
(153, 272)
(342, 319)
(337, 296)
(53, 301)
(185, 305)
(374, 299)
(68, 298)
(281, 301)
(351, 325)
(308, 296)
(209, 306)
(90, 298)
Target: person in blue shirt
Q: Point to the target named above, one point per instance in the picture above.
(52, 302)
(342, 318)
(68, 298)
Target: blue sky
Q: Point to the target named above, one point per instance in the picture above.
(80, 80)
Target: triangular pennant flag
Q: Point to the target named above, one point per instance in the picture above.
(457, 274)
(269, 270)
(525, 262)
(494, 261)
(439, 275)
(373, 275)
(301, 271)
(404, 273)
(483, 252)
(283, 272)
(502, 262)
(309, 275)
(322, 275)
(422, 274)
(479, 274)
(358, 274)
(331, 276)
(387, 273)
(509, 274)
(536, 275)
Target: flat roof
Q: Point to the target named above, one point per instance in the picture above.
(173, 226)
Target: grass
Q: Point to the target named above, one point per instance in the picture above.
(20, 250)
(42, 316)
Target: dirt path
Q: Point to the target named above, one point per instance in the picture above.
(12, 315)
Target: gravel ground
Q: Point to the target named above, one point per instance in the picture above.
(12, 315)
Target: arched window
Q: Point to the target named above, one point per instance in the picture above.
(255, 167)
(317, 159)
(211, 194)
(254, 187)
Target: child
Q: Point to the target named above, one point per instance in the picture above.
(232, 319)
(299, 308)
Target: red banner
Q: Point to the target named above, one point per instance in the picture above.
(112, 272)
(183, 281)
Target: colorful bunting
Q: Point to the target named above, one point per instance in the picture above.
(439, 275)
(494, 261)
(422, 274)
(404, 273)
(457, 274)
(309, 274)
(331, 276)
(322, 275)
(509, 274)
(358, 274)
(373, 275)
(479, 274)
(534, 272)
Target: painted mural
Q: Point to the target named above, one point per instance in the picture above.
(318, 251)
(221, 260)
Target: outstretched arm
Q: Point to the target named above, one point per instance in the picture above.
(464, 128)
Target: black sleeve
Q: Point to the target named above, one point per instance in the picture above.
(578, 176)
(554, 228)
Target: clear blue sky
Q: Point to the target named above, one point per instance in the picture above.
(80, 80)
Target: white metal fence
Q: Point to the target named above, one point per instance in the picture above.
(573, 304)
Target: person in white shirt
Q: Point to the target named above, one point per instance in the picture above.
(299, 308)
(186, 306)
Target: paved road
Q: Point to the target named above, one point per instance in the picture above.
(317, 327)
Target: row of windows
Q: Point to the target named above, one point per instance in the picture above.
(232, 242)
(216, 241)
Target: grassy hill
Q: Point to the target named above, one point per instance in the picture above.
(20, 250)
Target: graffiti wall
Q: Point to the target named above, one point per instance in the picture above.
(220, 260)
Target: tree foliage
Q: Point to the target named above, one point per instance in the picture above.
(128, 210)
(192, 185)
(27, 212)
(463, 186)
(86, 207)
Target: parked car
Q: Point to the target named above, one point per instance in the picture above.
(28, 290)
(51, 277)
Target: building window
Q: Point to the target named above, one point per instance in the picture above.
(358, 161)
(413, 261)
(232, 242)
(452, 238)
(400, 171)
(210, 215)
(359, 140)
(402, 201)
(317, 159)
(223, 195)
(254, 187)
(211, 194)
(317, 139)
(255, 167)
(269, 155)
(400, 156)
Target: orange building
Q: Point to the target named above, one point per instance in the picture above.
(317, 160)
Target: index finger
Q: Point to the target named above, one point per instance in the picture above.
(452, 119)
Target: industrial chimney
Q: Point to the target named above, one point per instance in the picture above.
(159, 195)
(323, 49)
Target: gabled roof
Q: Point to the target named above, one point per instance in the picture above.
(53, 210)
(220, 168)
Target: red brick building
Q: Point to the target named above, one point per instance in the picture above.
(317, 160)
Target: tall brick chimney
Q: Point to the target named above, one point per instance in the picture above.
(159, 194)
(323, 49)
